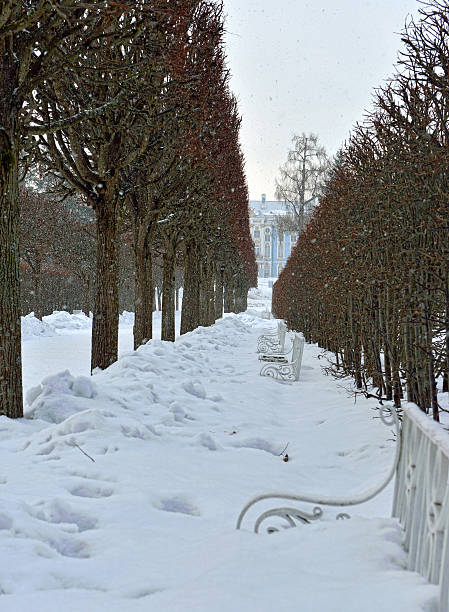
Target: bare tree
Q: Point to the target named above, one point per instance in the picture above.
(33, 37)
(301, 180)
(92, 155)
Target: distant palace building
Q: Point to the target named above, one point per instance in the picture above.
(272, 248)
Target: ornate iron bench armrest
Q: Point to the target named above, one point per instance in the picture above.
(278, 354)
(273, 343)
(267, 344)
(293, 516)
(281, 369)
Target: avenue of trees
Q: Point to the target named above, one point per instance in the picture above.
(123, 111)
(369, 277)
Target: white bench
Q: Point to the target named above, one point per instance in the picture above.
(282, 369)
(273, 342)
(294, 516)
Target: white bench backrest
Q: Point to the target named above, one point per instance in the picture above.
(282, 330)
(297, 351)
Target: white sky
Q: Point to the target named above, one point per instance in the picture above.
(306, 66)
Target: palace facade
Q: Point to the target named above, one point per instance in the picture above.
(272, 247)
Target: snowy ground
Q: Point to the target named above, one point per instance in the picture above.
(179, 437)
(62, 341)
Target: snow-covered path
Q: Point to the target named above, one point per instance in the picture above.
(179, 437)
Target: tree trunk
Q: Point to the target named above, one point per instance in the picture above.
(241, 296)
(219, 292)
(384, 319)
(191, 293)
(168, 294)
(106, 315)
(37, 288)
(431, 380)
(209, 281)
(229, 299)
(203, 312)
(11, 402)
(86, 295)
(356, 346)
(143, 296)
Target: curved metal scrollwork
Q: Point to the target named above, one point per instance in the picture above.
(269, 345)
(279, 371)
(292, 516)
(295, 516)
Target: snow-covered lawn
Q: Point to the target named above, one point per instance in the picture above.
(122, 493)
(62, 341)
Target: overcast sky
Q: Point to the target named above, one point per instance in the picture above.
(306, 66)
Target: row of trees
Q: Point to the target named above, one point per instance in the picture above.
(369, 278)
(126, 106)
(57, 249)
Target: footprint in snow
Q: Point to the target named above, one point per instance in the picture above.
(178, 412)
(65, 546)
(144, 592)
(206, 440)
(6, 521)
(46, 450)
(91, 491)
(141, 433)
(178, 504)
(194, 387)
(69, 547)
(59, 512)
